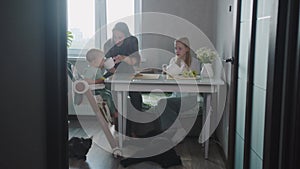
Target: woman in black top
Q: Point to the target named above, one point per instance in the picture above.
(123, 48)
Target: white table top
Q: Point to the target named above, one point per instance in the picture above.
(125, 82)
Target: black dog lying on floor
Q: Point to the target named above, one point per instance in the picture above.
(79, 147)
(165, 160)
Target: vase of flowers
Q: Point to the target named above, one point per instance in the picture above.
(206, 57)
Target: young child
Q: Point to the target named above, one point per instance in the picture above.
(183, 57)
(94, 75)
(171, 106)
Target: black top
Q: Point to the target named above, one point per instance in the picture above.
(128, 48)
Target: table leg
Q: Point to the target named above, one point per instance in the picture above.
(208, 113)
(204, 117)
(124, 112)
(120, 125)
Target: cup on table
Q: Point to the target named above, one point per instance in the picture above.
(109, 63)
(164, 68)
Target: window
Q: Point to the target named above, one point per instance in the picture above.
(116, 10)
(81, 22)
(86, 17)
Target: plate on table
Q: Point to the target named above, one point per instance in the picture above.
(181, 77)
(146, 76)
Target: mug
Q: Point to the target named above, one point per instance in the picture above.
(109, 63)
(164, 68)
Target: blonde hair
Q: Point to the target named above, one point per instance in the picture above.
(92, 54)
(186, 43)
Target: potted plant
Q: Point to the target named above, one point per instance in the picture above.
(206, 57)
(69, 38)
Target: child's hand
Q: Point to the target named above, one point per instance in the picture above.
(97, 81)
(89, 81)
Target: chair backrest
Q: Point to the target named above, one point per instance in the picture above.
(78, 98)
(72, 72)
(74, 75)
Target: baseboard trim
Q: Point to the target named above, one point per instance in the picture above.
(82, 117)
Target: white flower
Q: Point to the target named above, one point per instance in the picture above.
(206, 55)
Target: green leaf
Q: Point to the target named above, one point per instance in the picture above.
(69, 38)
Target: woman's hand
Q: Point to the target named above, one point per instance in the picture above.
(112, 70)
(178, 62)
(118, 58)
(129, 60)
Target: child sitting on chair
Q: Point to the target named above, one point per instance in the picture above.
(183, 59)
(179, 101)
(94, 75)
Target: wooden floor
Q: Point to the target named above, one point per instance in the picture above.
(190, 151)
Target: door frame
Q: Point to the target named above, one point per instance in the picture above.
(233, 84)
(56, 88)
(281, 142)
(281, 139)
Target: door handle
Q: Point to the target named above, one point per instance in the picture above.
(231, 59)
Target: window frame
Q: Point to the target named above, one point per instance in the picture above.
(101, 21)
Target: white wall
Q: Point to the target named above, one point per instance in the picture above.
(198, 12)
